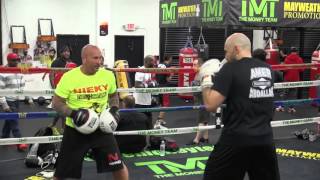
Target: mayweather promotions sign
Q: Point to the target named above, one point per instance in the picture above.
(255, 13)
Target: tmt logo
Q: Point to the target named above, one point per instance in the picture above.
(253, 12)
(169, 13)
(165, 168)
(212, 8)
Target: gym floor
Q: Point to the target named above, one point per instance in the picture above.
(298, 159)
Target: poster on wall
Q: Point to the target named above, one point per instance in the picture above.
(188, 13)
(252, 13)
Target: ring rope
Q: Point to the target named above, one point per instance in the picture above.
(170, 131)
(162, 90)
(27, 70)
(49, 114)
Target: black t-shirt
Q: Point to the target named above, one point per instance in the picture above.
(59, 63)
(247, 85)
(132, 121)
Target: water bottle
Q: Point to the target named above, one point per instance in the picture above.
(162, 148)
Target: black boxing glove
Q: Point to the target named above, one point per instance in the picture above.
(79, 116)
(151, 84)
(114, 111)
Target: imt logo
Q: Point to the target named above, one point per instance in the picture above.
(169, 13)
(212, 11)
(255, 12)
(164, 168)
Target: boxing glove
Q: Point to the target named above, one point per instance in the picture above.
(151, 84)
(109, 119)
(80, 116)
(207, 72)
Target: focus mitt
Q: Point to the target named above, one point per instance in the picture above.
(86, 121)
(207, 71)
(108, 122)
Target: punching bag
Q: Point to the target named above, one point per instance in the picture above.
(123, 80)
(187, 55)
(272, 50)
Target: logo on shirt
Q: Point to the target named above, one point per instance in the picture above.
(91, 92)
(113, 159)
(261, 86)
(91, 89)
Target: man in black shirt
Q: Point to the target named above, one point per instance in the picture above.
(131, 121)
(246, 144)
(163, 81)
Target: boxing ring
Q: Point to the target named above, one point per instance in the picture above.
(187, 163)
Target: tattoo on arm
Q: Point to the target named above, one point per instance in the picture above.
(113, 100)
(59, 105)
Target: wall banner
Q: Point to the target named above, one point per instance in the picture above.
(254, 13)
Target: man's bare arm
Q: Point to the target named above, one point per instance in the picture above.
(212, 99)
(59, 105)
(113, 100)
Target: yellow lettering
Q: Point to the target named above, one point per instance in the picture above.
(287, 6)
(278, 150)
(301, 7)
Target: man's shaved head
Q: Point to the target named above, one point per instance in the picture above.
(91, 59)
(237, 46)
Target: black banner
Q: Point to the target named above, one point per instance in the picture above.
(254, 13)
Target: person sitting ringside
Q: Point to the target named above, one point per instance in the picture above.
(131, 121)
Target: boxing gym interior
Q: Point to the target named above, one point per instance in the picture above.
(36, 33)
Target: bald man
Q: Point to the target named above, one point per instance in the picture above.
(246, 142)
(80, 89)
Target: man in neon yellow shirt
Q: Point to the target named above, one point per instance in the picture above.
(83, 88)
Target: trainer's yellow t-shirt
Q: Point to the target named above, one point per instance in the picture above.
(86, 91)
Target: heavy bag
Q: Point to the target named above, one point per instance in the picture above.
(203, 49)
(123, 78)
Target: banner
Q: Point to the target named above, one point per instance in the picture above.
(254, 13)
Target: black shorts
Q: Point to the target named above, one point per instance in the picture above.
(231, 163)
(74, 147)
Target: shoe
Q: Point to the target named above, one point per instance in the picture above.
(291, 110)
(192, 143)
(203, 140)
(280, 109)
(22, 147)
(162, 122)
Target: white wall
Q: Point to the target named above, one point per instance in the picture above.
(143, 13)
(68, 16)
(84, 17)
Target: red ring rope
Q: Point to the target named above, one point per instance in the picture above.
(146, 70)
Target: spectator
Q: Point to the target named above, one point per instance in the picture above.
(292, 75)
(163, 81)
(131, 121)
(144, 80)
(11, 103)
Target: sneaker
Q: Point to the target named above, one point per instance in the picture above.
(191, 143)
(280, 109)
(22, 147)
(203, 140)
(162, 122)
(291, 110)
(159, 124)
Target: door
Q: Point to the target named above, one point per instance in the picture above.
(130, 48)
(76, 42)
